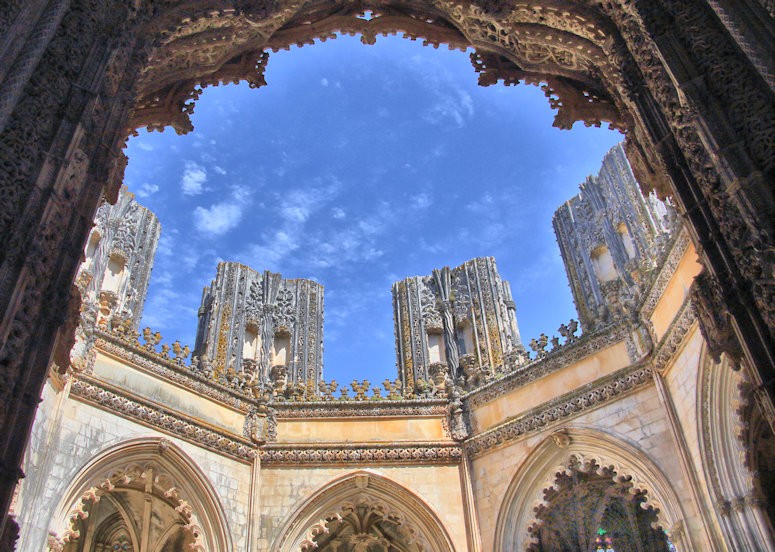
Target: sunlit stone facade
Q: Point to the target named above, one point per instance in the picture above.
(261, 325)
(687, 416)
(478, 445)
(458, 322)
(611, 238)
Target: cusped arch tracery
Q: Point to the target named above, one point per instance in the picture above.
(364, 508)
(104, 503)
(562, 47)
(562, 453)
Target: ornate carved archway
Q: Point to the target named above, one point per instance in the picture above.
(731, 432)
(558, 454)
(689, 80)
(106, 502)
(363, 508)
(589, 507)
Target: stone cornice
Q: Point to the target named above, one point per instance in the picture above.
(570, 404)
(674, 336)
(355, 409)
(101, 395)
(170, 370)
(347, 454)
(573, 352)
(666, 271)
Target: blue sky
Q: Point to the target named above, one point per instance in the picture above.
(358, 166)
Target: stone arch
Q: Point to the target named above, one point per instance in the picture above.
(538, 471)
(390, 499)
(80, 75)
(723, 402)
(175, 477)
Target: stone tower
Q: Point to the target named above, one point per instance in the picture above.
(262, 324)
(459, 322)
(610, 238)
(114, 277)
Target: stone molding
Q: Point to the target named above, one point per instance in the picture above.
(146, 413)
(356, 409)
(674, 336)
(388, 453)
(666, 271)
(170, 370)
(571, 404)
(580, 348)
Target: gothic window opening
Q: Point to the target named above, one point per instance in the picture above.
(436, 347)
(465, 338)
(603, 264)
(590, 508)
(629, 245)
(114, 275)
(281, 348)
(250, 345)
(91, 247)
(366, 526)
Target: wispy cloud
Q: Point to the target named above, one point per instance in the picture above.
(221, 217)
(219, 170)
(453, 105)
(324, 82)
(193, 179)
(422, 201)
(147, 189)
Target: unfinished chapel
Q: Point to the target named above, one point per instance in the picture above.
(645, 424)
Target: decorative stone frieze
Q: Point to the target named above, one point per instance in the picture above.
(573, 404)
(674, 336)
(146, 413)
(578, 349)
(436, 453)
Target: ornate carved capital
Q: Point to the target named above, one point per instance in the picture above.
(713, 316)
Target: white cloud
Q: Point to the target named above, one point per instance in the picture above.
(147, 189)
(422, 201)
(338, 213)
(221, 217)
(193, 179)
(217, 219)
(456, 105)
(145, 146)
(324, 82)
(219, 170)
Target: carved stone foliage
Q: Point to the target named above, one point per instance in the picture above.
(699, 118)
(458, 323)
(441, 453)
(101, 518)
(267, 329)
(708, 301)
(611, 239)
(590, 507)
(366, 524)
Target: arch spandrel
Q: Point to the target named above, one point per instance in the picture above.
(336, 499)
(175, 478)
(538, 472)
